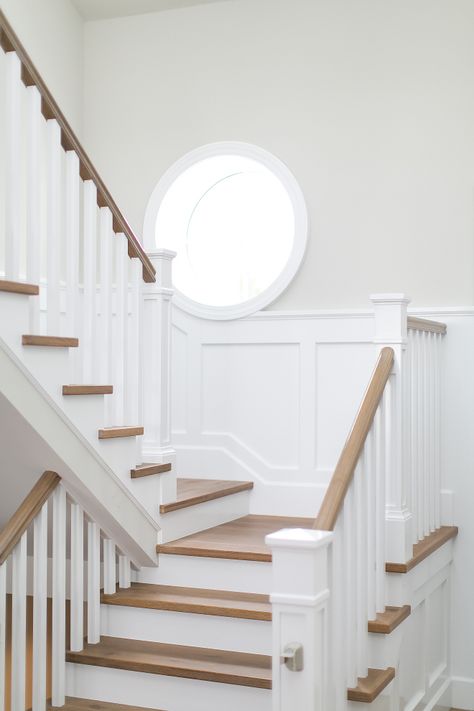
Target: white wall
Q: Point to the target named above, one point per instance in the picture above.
(52, 34)
(370, 104)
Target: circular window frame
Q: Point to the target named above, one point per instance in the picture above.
(289, 182)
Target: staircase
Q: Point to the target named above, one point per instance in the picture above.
(175, 596)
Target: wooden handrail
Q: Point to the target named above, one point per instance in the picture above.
(26, 512)
(342, 477)
(31, 77)
(424, 324)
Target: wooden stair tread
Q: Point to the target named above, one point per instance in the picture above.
(424, 548)
(75, 704)
(113, 432)
(149, 469)
(372, 685)
(19, 287)
(221, 603)
(242, 539)
(386, 622)
(88, 389)
(197, 491)
(178, 661)
(51, 341)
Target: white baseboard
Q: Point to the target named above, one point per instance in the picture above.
(462, 692)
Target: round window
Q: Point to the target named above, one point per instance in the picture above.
(236, 218)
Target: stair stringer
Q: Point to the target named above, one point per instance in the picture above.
(416, 649)
(51, 369)
(89, 478)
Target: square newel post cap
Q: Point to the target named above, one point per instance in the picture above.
(162, 260)
(299, 538)
(391, 317)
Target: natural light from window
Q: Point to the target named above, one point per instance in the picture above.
(232, 223)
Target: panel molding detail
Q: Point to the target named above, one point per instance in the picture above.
(264, 399)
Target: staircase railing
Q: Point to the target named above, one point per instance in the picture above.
(384, 496)
(422, 417)
(43, 565)
(63, 231)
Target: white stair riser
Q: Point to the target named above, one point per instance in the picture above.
(50, 367)
(402, 588)
(209, 573)
(195, 630)
(164, 692)
(14, 309)
(121, 454)
(200, 517)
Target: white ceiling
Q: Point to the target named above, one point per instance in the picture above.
(103, 9)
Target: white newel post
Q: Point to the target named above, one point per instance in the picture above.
(391, 321)
(157, 371)
(300, 607)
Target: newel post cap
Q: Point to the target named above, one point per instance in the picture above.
(390, 298)
(391, 317)
(162, 260)
(299, 538)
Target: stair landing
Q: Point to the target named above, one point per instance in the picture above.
(242, 539)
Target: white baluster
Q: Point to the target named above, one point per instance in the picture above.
(425, 421)
(93, 583)
(106, 237)
(54, 236)
(337, 668)
(362, 571)
(34, 222)
(72, 245)
(431, 432)
(110, 571)
(419, 430)
(13, 167)
(349, 586)
(413, 434)
(124, 572)
(40, 609)
(371, 522)
(18, 654)
(59, 598)
(89, 325)
(379, 433)
(119, 331)
(3, 623)
(77, 578)
(437, 425)
(134, 384)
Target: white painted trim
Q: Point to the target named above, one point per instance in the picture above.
(127, 521)
(289, 182)
(462, 692)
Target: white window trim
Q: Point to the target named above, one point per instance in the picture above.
(295, 193)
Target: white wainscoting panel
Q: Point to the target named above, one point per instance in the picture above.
(269, 398)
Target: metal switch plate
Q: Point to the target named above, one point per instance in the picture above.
(293, 657)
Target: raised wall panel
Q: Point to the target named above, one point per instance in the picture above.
(251, 392)
(437, 624)
(342, 374)
(411, 671)
(179, 373)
